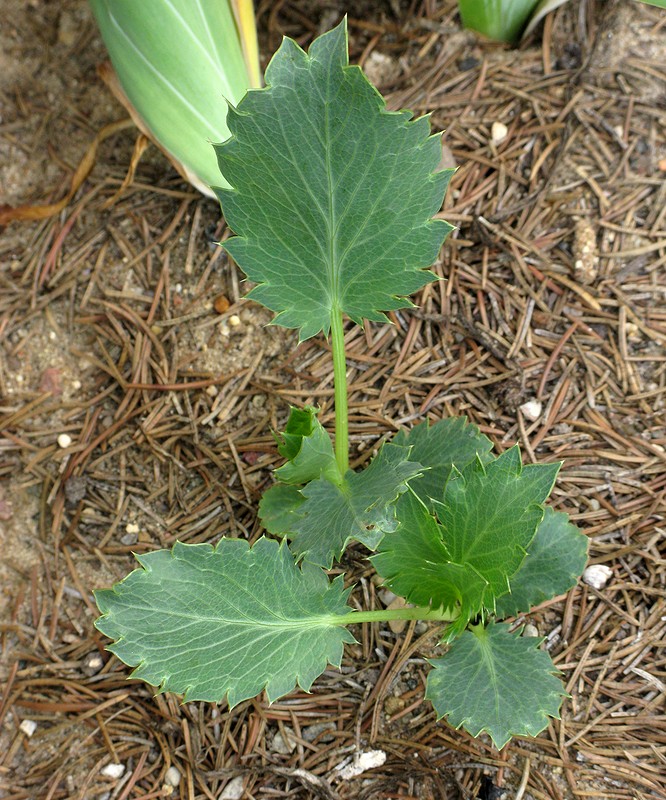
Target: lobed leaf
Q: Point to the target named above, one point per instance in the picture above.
(439, 447)
(333, 196)
(415, 564)
(556, 557)
(497, 682)
(225, 622)
(361, 508)
(490, 515)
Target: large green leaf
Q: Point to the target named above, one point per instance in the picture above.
(556, 558)
(415, 564)
(360, 508)
(495, 681)
(448, 443)
(490, 514)
(179, 62)
(307, 448)
(225, 622)
(502, 20)
(333, 196)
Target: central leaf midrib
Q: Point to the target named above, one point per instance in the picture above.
(333, 276)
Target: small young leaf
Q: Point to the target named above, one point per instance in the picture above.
(415, 564)
(495, 681)
(333, 196)
(556, 557)
(490, 515)
(225, 622)
(279, 508)
(307, 448)
(448, 443)
(361, 508)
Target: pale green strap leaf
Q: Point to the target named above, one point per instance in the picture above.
(496, 682)
(441, 446)
(307, 448)
(361, 508)
(225, 622)
(556, 557)
(490, 514)
(415, 564)
(333, 196)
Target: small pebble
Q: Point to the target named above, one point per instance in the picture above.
(531, 410)
(530, 630)
(362, 763)
(498, 132)
(64, 440)
(319, 729)
(92, 663)
(113, 771)
(233, 790)
(211, 391)
(172, 777)
(597, 575)
(234, 320)
(132, 527)
(221, 303)
(28, 727)
(284, 745)
(76, 385)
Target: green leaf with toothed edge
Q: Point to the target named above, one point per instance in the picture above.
(489, 515)
(415, 564)
(332, 196)
(440, 446)
(361, 508)
(556, 558)
(496, 682)
(225, 622)
(307, 448)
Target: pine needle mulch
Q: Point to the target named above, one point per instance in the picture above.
(168, 383)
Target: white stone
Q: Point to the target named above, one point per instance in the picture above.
(28, 726)
(531, 410)
(362, 763)
(172, 777)
(64, 440)
(234, 320)
(234, 789)
(498, 132)
(113, 771)
(530, 630)
(132, 527)
(597, 575)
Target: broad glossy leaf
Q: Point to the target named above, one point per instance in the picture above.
(361, 508)
(447, 443)
(497, 682)
(415, 564)
(490, 515)
(556, 558)
(307, 448)
(502, 20)
(333, 196)
(225, 622)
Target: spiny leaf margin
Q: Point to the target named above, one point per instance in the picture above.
(333, 196)
(225, 622)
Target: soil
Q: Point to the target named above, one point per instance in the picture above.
(554, 294)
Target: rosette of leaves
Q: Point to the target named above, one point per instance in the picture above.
(332, 199)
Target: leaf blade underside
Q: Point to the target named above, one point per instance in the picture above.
(497, 682)
(333, 196)
(225, 622)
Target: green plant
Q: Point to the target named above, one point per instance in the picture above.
(505, 20)
(333, 201)
(177, 64)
